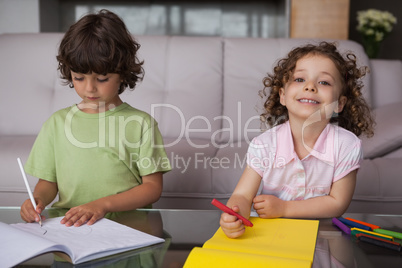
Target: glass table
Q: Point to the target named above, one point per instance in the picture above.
(185, 229)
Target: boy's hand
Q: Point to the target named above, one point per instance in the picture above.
(28, 212)
(231, 225)
(269, 206)
(88, 213)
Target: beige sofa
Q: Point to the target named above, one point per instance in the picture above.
(203, 91)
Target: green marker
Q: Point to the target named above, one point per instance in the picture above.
(390, 233)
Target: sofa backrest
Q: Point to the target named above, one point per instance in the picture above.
(28, 72)
(182, 86)
(193, 86)
(246, 62)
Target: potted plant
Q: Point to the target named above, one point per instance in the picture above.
(374, 25)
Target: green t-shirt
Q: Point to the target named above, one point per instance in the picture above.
(91, 156)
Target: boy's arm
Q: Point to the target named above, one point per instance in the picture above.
(44, 193)
(142, 195)
(332, 205)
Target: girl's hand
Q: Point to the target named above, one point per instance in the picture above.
(28, 212)
(88, 213)
(269, 206)
(231, 225)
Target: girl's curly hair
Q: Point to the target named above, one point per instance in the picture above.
(100, 43)
(355, 116)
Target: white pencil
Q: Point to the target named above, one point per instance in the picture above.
(28, 188)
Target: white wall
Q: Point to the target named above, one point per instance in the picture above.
(19, 16)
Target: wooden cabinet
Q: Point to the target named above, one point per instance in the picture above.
(319, 19)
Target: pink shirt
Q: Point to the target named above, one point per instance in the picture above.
(336, 152)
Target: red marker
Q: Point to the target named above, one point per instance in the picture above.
(372, 226)
(226, 209)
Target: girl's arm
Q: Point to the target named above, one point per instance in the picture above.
(142, 195)
(44, 193)
(332, 205)
(245, 191)
(240, 201)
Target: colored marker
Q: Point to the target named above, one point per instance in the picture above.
(354, 224)
(380, 242)
(372, 226)
(378, 238)
(355, 231)
(341, 226)
(390, 233)
(226, 209)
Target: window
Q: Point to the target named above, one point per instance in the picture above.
(193, 18)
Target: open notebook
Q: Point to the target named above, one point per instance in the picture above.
(23, 241)
(269, 243)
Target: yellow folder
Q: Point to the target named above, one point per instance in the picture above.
(269, 243)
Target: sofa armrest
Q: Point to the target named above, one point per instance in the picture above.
(388, 131)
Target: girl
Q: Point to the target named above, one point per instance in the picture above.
(308, 160)
(101, 155)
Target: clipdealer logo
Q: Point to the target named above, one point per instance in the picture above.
(113, 134)
(107, 136)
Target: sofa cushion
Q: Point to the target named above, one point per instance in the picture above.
(28, 70)
(386, 73)
(191, 174)
(379, 179)
(232, 162)
(152, 89)
(182, 87)
(11, 148)
(243, 75)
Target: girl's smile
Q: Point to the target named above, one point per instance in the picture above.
(315, 84)
(308, 101)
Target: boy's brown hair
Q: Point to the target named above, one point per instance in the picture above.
(100, 43)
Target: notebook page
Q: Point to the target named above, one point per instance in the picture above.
(18, 246)
(88, 242)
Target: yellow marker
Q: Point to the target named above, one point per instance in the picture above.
(358, 230)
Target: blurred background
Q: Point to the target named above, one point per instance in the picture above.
(333, 19)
